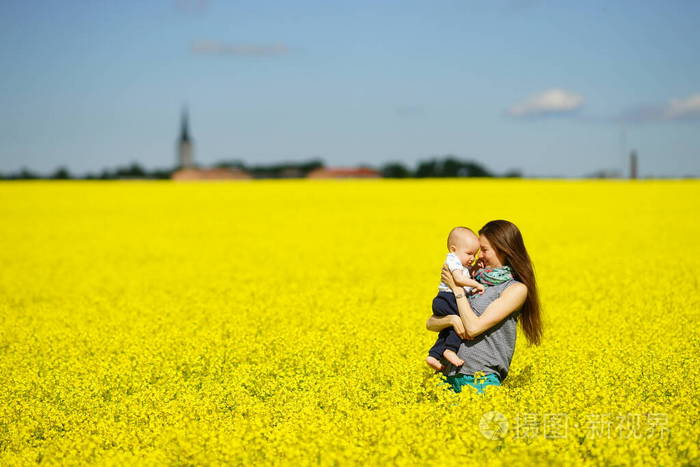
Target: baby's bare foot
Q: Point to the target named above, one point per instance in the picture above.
(452, 357)
(434, 363)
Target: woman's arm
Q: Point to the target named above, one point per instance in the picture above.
(510, 300)
(438, 323)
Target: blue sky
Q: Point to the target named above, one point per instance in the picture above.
(550, 88)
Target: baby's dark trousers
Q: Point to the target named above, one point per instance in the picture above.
(445, 304)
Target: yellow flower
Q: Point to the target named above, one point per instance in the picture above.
(282, 323)
(479, 377)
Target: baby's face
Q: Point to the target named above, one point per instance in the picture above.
(466, 249)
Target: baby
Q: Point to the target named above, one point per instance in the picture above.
(462, 244)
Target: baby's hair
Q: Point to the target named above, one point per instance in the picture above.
(454, 233)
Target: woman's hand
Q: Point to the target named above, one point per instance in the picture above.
(447, 278)
(458, 326)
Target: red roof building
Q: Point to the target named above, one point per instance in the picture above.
(344, 172)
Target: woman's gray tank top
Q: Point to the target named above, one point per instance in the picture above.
(491, 351)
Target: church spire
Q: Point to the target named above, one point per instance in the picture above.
(184, 144)
(184, 131)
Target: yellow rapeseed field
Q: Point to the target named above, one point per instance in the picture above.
(283, 322)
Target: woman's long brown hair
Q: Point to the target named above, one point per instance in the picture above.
(507, 241)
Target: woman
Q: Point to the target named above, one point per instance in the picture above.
(488, 321)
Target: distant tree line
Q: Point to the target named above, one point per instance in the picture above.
(133, 171)
(278, 170)
(447, 166)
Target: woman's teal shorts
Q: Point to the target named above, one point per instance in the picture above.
(478, 381)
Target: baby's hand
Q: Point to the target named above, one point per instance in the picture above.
(475, 267)
(479, 288)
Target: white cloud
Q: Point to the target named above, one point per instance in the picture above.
(678, 109)
(552, 101)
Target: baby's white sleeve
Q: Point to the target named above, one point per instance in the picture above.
(453, 262)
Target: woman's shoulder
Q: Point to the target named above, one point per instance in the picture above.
(516, 294)
(515, 284)
(516, 287)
